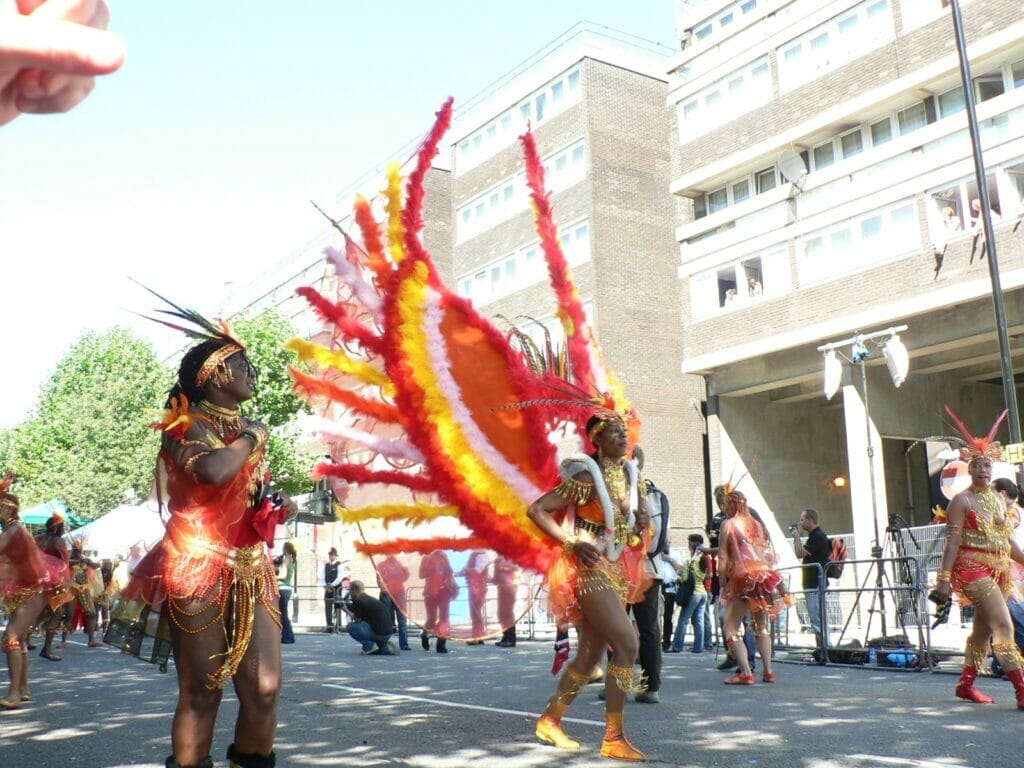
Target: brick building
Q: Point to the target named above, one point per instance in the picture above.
(823, 166)
(596, 102)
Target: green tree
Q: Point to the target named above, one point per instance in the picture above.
(275, 404)
(89, 441)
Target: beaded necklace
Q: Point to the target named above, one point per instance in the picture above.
(615, 479)
(225, 420)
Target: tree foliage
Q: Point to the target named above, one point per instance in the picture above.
(89, 441)
(275, 404)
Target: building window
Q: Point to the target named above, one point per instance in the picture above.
(766, 180)
(852, 143)
(957, 208)
(988, 87)
(703, 32)
(717, 200)
(951, 101)
(563, 169)
(740, 283)
(740, 191)
(748, 6)
(834, 43)
(824, 156)
(1017, 73)
(504, 130)
(912, 118)
(881, 132)
(859, 242)
(724, 100)
(524, 267)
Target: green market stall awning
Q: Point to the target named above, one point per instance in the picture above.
(39, 514)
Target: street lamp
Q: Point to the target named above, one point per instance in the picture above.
(897, 361)
(1005, 362)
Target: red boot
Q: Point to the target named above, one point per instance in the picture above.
(965, 688)
(1017, 678)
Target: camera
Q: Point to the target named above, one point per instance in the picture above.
(794, 528)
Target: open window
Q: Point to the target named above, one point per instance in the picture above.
(728, 295)
(753, 278)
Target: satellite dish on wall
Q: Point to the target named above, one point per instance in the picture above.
(792, 168)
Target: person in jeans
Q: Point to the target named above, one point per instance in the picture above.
(285, 585)
(371, 622)
(817, 550)
(694, 608)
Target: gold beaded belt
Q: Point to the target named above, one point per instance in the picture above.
(582, 524)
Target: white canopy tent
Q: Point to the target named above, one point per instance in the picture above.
(114, 534)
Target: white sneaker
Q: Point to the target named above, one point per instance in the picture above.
(391, 649)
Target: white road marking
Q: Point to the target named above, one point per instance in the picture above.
(455, 704)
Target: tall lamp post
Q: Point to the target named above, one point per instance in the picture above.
(897, 361)
(1005, 363)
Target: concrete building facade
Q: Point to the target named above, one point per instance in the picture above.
(823, 166)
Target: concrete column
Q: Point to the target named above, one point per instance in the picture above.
(865, 471)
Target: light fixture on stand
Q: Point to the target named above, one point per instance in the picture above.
(897, 361)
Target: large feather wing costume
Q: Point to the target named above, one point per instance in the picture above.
(431, 396)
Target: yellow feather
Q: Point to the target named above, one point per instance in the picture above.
(313, 353)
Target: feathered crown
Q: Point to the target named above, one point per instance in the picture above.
(201, 329)
(975, 447)
(7, 499)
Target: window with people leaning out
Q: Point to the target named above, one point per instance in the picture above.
(955, 210)
(741, 283)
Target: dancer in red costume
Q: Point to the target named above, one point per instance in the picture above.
(25, 576)
(749, 584)
(976, 563)
(475, 574)
(211, 575)
(600, 572)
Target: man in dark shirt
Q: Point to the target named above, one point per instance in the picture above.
(371, 622)
(816, 551)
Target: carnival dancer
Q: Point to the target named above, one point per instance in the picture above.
(439, 589)
(976, 564)
(85, 581)
(25, 576)
(600, 571)
(505, 577)
(749, 584)
(475, 574)
(212, 575)
(51, 541)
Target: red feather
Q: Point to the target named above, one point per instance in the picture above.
(307, 385)
(561, 282)
(338, 314)
(356, 474)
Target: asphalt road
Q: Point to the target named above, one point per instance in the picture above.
(476, 707)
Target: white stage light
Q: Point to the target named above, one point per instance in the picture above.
(897, 360)
(833, 373)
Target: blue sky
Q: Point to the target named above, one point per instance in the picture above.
(193, 166)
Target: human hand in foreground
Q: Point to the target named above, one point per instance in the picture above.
(50, 53)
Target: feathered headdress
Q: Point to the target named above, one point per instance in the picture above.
(975, 447)
(7, 499)
(201, 329)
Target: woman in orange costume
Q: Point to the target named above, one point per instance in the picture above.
(25, 572)
(212, 571)
(475, 574)
(598, 574)
(439, 588)
(976, 563)
(749, 583)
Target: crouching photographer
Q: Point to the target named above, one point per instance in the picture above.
(371, 622)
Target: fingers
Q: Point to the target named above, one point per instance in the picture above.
(61, 46)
